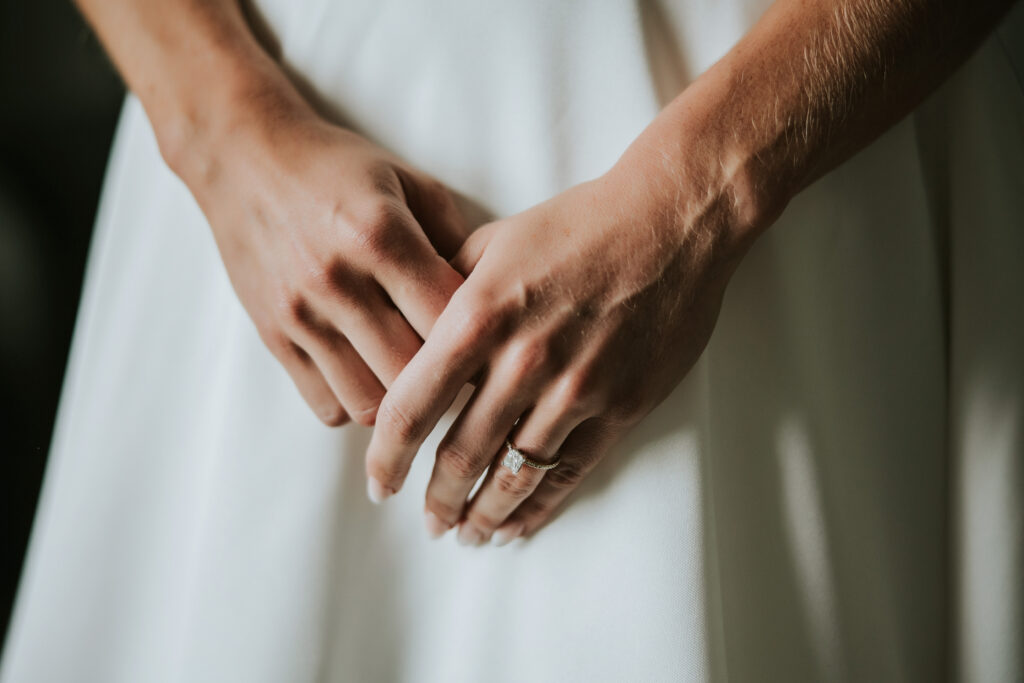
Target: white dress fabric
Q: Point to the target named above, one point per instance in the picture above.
(833, 493)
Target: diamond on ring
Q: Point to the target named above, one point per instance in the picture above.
(513, 459)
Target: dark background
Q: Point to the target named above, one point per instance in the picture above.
(60, 100)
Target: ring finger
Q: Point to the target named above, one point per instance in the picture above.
(539, 436)
(466, 449)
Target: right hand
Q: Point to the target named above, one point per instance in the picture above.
(337, 250)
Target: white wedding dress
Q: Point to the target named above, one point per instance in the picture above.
(835, 492)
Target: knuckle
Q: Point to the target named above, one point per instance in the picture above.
(336, 280)
(526, 358)
(333, 415)
(459, 460)
(443, 510)
(514, 296)
(366, 416)
(290, 307)
(533, 510)
(471, 318)
(481, 326)
(482, 521)
(567, 475)
(316, 277)
(381, 229)
(627, 408)
(396, 420)
(384, 176)
(294, 310)
(603, 427)
(276, 342)
(575, 393)
(511, 485)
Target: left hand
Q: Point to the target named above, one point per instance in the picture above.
(578, 317)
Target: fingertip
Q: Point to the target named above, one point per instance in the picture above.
(508, 533)
(469, 535)
(377, 492)
(435, 527)
(334, 416)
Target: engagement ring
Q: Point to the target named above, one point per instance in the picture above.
(514, 460)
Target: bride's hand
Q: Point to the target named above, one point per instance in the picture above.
(337, 250)
(581, 314)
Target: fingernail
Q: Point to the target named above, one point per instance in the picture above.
(469, 535)
(377, 491)
(507, 533)
(435, 527)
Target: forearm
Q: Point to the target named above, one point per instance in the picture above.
(808, 86)
(197, 69)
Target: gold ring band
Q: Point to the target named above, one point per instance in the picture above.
(514, 460)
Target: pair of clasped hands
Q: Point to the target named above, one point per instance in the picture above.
(572, 319)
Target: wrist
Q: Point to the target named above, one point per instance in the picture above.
(234, 107)
(699, 180)
(703, 160)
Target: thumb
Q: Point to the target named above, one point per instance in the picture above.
(472, 249)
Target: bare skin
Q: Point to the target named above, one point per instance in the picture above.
(584, 312)
(336, 248)
(580, 332)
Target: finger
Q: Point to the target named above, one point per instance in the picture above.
(472, 249)
(423, 391)
(582, 450)
(351, 380)
(376, 329)
(416, 277)
(434, 207)
(539, 435)
(310, 382)
(472, 440)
